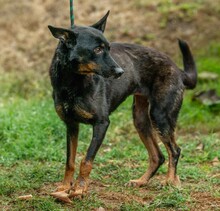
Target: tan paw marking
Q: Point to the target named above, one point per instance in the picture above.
(136, 183)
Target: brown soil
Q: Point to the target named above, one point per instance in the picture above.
(26, 43)
(144, 196)
(203, 201)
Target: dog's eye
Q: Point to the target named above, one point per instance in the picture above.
(98, 50)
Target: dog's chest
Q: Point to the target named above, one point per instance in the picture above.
(76, 100)
(74, 109)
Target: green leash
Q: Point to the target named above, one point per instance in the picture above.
(71, 13)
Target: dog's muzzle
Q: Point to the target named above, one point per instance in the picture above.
(118, 72)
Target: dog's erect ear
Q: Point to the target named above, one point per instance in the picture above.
(100, 25)
(62, 34)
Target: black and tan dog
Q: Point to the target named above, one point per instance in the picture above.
(85, 90)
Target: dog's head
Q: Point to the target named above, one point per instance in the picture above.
(87, 50)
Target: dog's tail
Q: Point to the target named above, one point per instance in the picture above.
(190, 71)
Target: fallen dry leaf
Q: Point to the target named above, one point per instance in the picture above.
(208, 76)
(200, 147)
(215, 161)
(25, 197)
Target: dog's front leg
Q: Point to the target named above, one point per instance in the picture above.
(72, 140)
(82, 182)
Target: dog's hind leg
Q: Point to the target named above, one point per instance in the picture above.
(148, 136)
(164, 115)
(174, 153)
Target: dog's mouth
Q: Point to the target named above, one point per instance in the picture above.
(88, 68)
(116, 73)
(117, 76)
(93, 73)
(87, 72)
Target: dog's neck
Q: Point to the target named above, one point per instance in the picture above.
(73, 80)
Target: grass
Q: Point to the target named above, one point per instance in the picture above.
(32, 152)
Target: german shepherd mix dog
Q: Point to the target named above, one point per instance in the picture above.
(92, 77)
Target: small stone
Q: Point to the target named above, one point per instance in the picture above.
(215, 161)
(100, 209)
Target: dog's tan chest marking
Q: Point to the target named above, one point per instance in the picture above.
(59, 110)
(82, 113)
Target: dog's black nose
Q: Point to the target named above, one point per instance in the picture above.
(118, 72)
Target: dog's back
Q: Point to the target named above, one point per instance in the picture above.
(145, 69)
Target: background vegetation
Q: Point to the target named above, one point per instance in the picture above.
(32, 138)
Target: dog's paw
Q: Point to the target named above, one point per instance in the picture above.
(173, 181)
(63, 187)
(62, 196)
(136, 183)
(77, 193)
(80, 188)
(62, 193)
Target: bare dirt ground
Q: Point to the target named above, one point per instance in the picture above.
(113, 200)
(26, 43)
